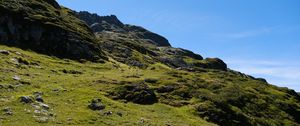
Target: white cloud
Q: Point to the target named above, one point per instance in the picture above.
(248, 33)
(245, 34)
(284, 74)
(258, 31)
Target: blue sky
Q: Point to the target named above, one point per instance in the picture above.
(257, 37)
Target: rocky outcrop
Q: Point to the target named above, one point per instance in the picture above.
(145, 34)
(212, 63)
(126, 43)
(58, 31)
(180, 52)
(49, 30)
(136, 93)
(113, 24)
(53, 3)
(94, 18)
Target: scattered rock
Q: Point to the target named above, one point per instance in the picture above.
(69, 119)
(44, 106)
(96, 104)
(17, 78)
(42, 119)
(5, 52)
(37, 93)
(142, 120)
(108, 113)
(55, 90)
(26, 99)
(23, 61)
(18, 53)
(39, 98)
(37, 111)
(15, 61)
(8, 111)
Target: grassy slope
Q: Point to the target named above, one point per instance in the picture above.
(68, 104)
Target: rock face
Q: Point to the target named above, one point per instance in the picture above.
(213, 63)
(91, 19)
(112, 23)
(136, 93)
(50, 30)
(145, 34)
(53, 3)
(45, 27)
(96, 104)
(139, 47)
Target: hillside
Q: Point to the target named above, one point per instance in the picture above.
(61, 67)
(44, 26)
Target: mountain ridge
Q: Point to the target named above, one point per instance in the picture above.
(87, 69)
(112, 30)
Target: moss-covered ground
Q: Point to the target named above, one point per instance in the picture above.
(180, 98)
(68, 93)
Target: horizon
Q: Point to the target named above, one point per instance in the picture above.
(259, 38)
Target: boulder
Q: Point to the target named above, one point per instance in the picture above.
(5, 52)
(26, 99)
(17, 78)
(44, 106)
(137, 93)
(39, 98)
(49, 34)
(8, 111)
(96, 104)
(212, 63)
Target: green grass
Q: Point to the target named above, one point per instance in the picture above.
(69, 104)
(222, 97)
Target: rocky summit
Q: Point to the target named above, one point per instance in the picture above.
(113, 24)
(44, 26)
(62, 67)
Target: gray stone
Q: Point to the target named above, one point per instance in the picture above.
(42, 119)
(39, 98)
(44, 106)
(108, 113)
(4, 52)
(26, 99)
(96, 104)
(17, 78)
(8, 111)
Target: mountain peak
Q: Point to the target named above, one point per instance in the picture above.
(112, 23)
